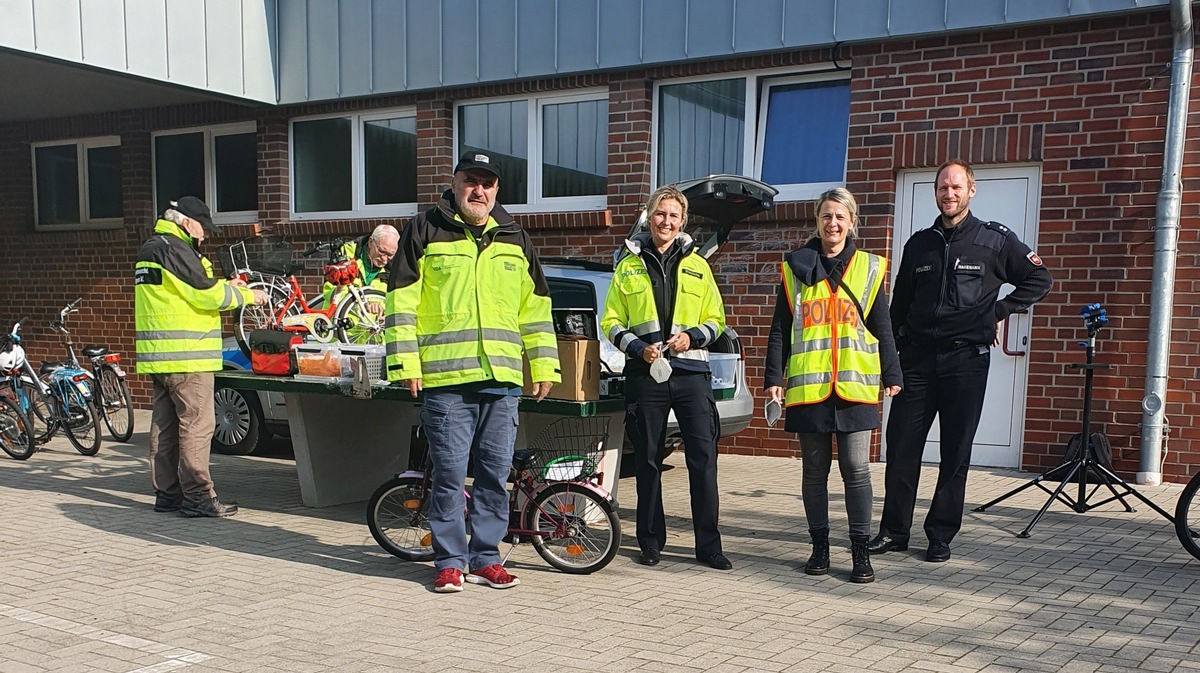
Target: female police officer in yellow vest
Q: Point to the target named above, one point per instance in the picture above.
(663, 307)
(831, 320)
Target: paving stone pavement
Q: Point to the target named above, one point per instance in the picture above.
(94, 580)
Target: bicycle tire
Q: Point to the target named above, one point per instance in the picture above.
(582, 530)
(115, 403)
(1187, 519)
(84, 433)
(40, 412)
(354, 323)
(249, 317)
(398, 516)
(16, 436)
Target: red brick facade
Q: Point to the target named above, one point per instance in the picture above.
(1086, 101)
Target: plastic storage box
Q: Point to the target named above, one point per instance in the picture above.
(724, 370)
(334, 363)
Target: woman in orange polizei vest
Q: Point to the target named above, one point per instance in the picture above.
(829, 354)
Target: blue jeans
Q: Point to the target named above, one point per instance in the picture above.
(458, 424)
(854, 455)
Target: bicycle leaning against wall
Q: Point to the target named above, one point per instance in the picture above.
(1187, 517)
(111, 393)
(16, 429)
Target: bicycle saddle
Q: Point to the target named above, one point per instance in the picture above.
(521, 458)
(94, 351)
(48, 367)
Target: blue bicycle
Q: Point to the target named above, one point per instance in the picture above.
(16, 429)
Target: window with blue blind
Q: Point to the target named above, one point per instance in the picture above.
(805, 136)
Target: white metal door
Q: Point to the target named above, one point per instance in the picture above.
(1008, 195)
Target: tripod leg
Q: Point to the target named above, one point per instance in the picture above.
(1036, 481)
(1132, 491)
(1053, 496)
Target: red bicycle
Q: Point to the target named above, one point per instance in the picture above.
(354, 315)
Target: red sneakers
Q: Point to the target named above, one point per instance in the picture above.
(449, 580)
(495, 576)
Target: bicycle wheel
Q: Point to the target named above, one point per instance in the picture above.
(250, 317)
(39, 408)
(115, 404)
(357, 324)
(1187, 517)
(398, 516)
(16, 437)
(83, 427)
(581, 531)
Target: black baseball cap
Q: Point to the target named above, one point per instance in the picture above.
(472, 159)
(197, 210)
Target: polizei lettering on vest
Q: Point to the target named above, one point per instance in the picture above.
(822, 311)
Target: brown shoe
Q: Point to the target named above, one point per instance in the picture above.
(207, 507)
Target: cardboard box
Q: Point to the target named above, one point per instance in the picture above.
(579, 361)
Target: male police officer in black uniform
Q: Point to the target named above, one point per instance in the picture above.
(947, 317)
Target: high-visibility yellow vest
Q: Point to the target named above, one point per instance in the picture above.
(832, 351)
(176, 305)
(351, 250)
(630, 312)
(470, 316)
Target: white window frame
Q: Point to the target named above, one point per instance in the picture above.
(210, 174)
(535, 202)
(358, 191)
(758, 84)
(82, 145)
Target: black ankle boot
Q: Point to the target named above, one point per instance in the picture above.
(818, 563)
(862, 572)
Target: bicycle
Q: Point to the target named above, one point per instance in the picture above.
(16, 429)
(556, 502)
(1187, 517)
(61, 397)
(347, 318)
(111, 392)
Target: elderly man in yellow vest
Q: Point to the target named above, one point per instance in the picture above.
(177, 305)
(466, 297)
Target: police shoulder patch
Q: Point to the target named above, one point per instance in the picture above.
(1033, 258)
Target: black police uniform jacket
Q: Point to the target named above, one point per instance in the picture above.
(947, 287)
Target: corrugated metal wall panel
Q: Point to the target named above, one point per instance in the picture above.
(499, 58)
(103, 31)
(258, 38)
(16, 30)
(1039, 10)
(577, 34)
(915, 16)
(423, 33)
(459, 48)
(537, 37)
(146, 23)
(293, 53)
(805, 23)
(354, 47)
(56, 28)
(753, 33)
(388, 60)
(710, 25)
(324, 51)
(862, 19)
(662, 33)
(223, 32)
(978, 13)
(185, 39)
(620, 33)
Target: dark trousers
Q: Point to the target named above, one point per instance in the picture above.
(647, 405)
(950, 385)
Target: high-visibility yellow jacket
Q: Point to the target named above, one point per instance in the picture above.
(461, 310)
(368, 275)
(832, 351)
(176, 305)
(631, 319)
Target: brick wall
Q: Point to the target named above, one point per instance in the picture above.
(1086, 101)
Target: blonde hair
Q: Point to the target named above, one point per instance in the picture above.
(667, 192)
(845, 198)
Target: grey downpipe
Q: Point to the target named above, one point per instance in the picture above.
(1166, 244)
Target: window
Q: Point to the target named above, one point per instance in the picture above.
(552, 150)
(218, 165)
(787, 130)
(354, 166)
(77, 183)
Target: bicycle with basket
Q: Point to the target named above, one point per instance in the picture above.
(349, 317)
(556, 502)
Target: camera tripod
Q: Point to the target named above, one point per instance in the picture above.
(1075, 470)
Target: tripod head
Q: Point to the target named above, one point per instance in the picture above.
(1094, 318)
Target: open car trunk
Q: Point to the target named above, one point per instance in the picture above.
(715, 204)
